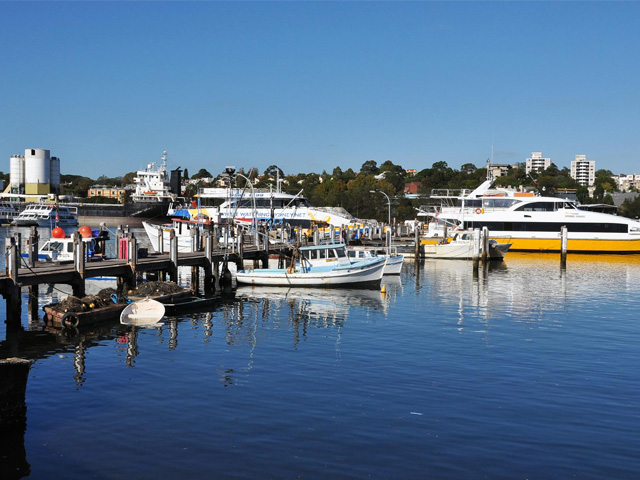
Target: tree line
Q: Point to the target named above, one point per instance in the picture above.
(361, 193)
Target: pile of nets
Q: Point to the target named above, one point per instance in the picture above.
(104, 297)
(89, 302)
(151, 289)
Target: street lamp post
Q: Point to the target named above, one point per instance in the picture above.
(388, 201)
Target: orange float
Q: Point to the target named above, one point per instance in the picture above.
(85, 232)
(57, 233)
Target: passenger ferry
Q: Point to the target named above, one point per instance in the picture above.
(261, 205)
(533, 223)
(8, 213)
(47, 215)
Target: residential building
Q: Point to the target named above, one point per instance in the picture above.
(583, 171)
(627, 182)
(412, 187)
(499, 170)
(536, 163)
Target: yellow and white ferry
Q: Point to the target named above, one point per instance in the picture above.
(533, 223)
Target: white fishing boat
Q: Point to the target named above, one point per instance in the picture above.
(8, 213)
(533, 223)
(143, 313)
(47, 215)
(460, 246)
(59, 248)
(319, 266)
(393, 266)
(184, 230)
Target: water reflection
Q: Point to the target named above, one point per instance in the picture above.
(318, 307)
(526, 288)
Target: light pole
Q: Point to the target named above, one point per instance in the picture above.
(254, 220)
(388, 201)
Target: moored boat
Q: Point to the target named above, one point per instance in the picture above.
(394, 260)
(321, 265)
(533, 223)
(142, 313)
(47, 215)
(59, 248)
(461, 247)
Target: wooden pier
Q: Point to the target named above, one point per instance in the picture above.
(209, 256)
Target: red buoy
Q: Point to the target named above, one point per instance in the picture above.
(85, 232)
(57, 233)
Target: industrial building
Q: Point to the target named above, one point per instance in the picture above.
(34, 174)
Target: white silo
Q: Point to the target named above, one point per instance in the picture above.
(37, 170)
(16, 173)
(55, 174)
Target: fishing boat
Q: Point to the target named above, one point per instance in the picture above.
(533, 223)
(186, 232)
(461, 246)
(59, 248)
(47, 215)
(319, 266)
(143, 313)
(394, 260)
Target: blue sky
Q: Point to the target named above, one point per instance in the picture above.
(313, 85)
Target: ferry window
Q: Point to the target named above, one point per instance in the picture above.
(323, 253)
(70, 247)
(538, 207)
(499, 202)
(331, 253)
(340, 253)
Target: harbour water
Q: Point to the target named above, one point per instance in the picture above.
(528, 371)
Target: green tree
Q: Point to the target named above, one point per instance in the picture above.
(630, 207)
(202, 173)
(370, 167)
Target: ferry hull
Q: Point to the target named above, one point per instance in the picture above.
(552, 245)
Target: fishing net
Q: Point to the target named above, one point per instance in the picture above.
(157, 288)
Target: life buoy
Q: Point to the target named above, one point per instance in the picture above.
(479, 210)
(70, 320)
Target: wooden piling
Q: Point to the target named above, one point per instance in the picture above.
(14, 373)
(476, 250)
(485, 244)
(33, 246)
(563, 245)
(416, 240)
(173, 255)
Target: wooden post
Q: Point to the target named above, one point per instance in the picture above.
(416, 240)
(195, 279)
(194, 240)
(33, 246)
(209, 277)
(476, 250)
(485, 244)
(160, 246)
(173, 255)
(32, 303)
(78, 285)
(387, 241)
(14, 373)
(12, 295)
(563, 245)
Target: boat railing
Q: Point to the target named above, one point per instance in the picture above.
(450, 192)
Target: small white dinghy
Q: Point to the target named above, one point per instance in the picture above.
(143, 313)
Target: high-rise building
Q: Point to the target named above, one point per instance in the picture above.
(536, 163)
(583, 171)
